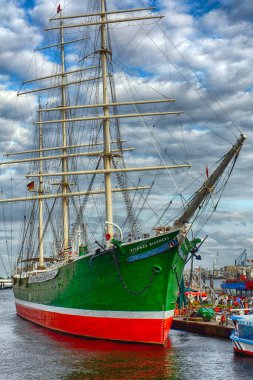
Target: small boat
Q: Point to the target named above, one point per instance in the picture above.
(242, 335)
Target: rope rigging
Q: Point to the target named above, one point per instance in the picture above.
(133, 205)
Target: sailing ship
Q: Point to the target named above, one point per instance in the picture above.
(77, 275)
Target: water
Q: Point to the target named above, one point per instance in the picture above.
(29, 352)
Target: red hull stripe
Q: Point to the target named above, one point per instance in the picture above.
(243, 352)
(145, 330)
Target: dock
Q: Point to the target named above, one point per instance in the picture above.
(198, 326)
(5, 283)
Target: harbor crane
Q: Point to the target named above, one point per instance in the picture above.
(242, 259)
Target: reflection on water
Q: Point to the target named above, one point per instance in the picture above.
(103, 359)
(29, 351)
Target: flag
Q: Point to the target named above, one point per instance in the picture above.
(207, 172)
(59, 8)
(30, 186)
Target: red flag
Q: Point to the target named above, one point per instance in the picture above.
(207, 173)
(30, 186)
(59, 8)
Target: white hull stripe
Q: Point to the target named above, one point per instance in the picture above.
(237, 345)
(97, 313)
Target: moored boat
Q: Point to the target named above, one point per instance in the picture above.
(100, 279)
(242, 335)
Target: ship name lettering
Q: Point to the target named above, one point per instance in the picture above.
(134, 250)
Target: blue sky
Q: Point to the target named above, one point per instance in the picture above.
(198, 8)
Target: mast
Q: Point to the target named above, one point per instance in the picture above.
(40, 191)
(209, 184)
(64, 185)
(106, 127)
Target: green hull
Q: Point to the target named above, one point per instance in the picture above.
(139, 277)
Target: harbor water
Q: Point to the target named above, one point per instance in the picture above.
(31, 352)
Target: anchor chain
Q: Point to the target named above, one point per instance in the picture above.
(124, 283)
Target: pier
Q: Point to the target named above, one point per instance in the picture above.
(198, 326)
(5, 283)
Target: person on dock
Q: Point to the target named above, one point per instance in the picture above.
(223, 319)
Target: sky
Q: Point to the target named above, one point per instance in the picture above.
(210, 56)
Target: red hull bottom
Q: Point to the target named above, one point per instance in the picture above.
(142, 330)
(243, 352)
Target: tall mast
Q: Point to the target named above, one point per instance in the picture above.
(106, 126)
(40, 191)
(209, 184)
(64, 184)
